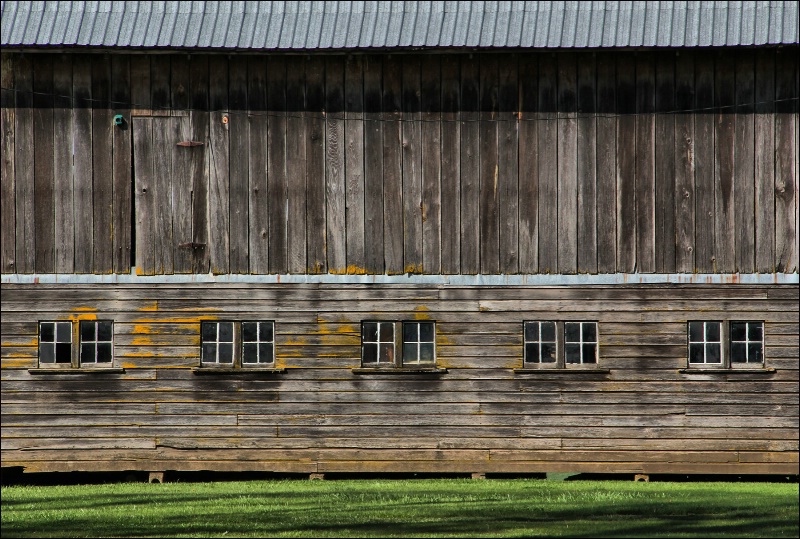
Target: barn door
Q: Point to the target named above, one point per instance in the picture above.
(170, 196)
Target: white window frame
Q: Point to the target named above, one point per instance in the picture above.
(527, 360)
(581, 342)
(55, 342)
(706, 343)
(418, 343)
(379, 343)
(258, 343)
(747, 343)
(95, 342)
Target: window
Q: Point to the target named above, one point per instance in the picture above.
(705, 343)
(96, 341)
(549, 344)
(55, 342)
(580, 342)
(747, 342)
(726, 345)
(381, 339)
(540, 342)
(229, 344)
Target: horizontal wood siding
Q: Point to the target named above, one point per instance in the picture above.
(644, 415)
(488, 163)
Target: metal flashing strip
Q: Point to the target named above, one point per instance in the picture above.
(413, 279)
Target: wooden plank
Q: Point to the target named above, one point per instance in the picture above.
(179, 82)
(7, 154)
(218, 168)
(373, 166)
(587, 164)
(181, 165)
(765, 160)
(411, 170)
(122, 181)
(786, 140)
(160, 95)
(606, 163)
(626, 164)
(354, 162)
(82, 162)
(144, 192)
(430, 103)
(43, 181)
(567, 164)
(276, 165)
(665, 233)
(165, 132)
(645, 163)
(336, 242)
(393, 237)
(239, 131)
(451, 165)
(705, 233)
(24, 166)
(315, 165)
(296, 169)
(529, 118)
(489, 166)
(684, 162)
(548, 165)
(258, 209)
(102, 167)
(508, 162)
(744, 170)
(724, 159)
(470, 159)
(199, 117)
(140, 85)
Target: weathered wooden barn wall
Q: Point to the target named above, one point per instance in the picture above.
(642, 415)
(568, 162)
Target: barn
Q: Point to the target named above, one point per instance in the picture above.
(418, 237)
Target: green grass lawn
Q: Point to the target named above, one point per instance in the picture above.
(403, 508)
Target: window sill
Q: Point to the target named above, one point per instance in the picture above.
(78, 370)
(399, 370)
(226, 371)
(724, 370)
(564, 370)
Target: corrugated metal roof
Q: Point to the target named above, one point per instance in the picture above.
(376, 24)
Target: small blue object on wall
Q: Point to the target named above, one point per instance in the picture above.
(118, 119)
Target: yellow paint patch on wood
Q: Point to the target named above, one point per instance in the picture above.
(421, 313)
(297, 341)
(127, 365)
(201, 309)
(84, 308)
(142, 341)
(413, 268)
(10, 363)
(340, 340)
(443, 340)
(149, 308)
(174, 320)
(352, 269)
(32, 342)
(83, 316)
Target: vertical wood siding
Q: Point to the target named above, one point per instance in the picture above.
(505, 163)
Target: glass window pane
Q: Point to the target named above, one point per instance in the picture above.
(63, 352)
(105, 330)
(47, 332)
(226, 332)
(589, 332)
(426, 352)
(209, 353)
(47, 353)
(410, 333)
(549, 331)
(250, 353)
(755, 352)
(87, 353)
(410, 353)
(532, 352)
(738, 331)
(756, 330)
(696, 353)
(590, 353)
(548, 352)
(104, 353)
(426, 332)
(209, 331)
(572, 353)
(572, 330)
(265, 353)
(712, 331)
(249, 331)
(531, 331)
(713, 353)
(369, 353)
(387, 353)
(369, 332)
(87, 331)
(267, 332)
(225, 353)
(695, 332)
(387, 332)
(738, 352)
(64, 332)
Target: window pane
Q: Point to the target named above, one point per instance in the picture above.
(369, 332)
(549, 331)
(572, 330)
(426, 352)
(387, 353)
(87, 353)
(104, 353)
(47, 353)
(756, 330)
(738, 352)
(64, 352)
(47, 332)
(249, 331)
(695, 332)
(266, 332)
(104, 330)
(369, 353)
(426, 332)
(387, 332)
(532, 352)
(209, 331)
(548, 352)
(756, 352)
(712, 331)
(265, 353)
(87, 331)
(250, 353)
(410, 333)
(589, 332)
(531, 331)
(589, 353)
(712, 353)
(226, 332)
(572, 353)
(738, 331)
(696, 353)
(209, 353)
(410, 353)
(225, 353)
(64, 332)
